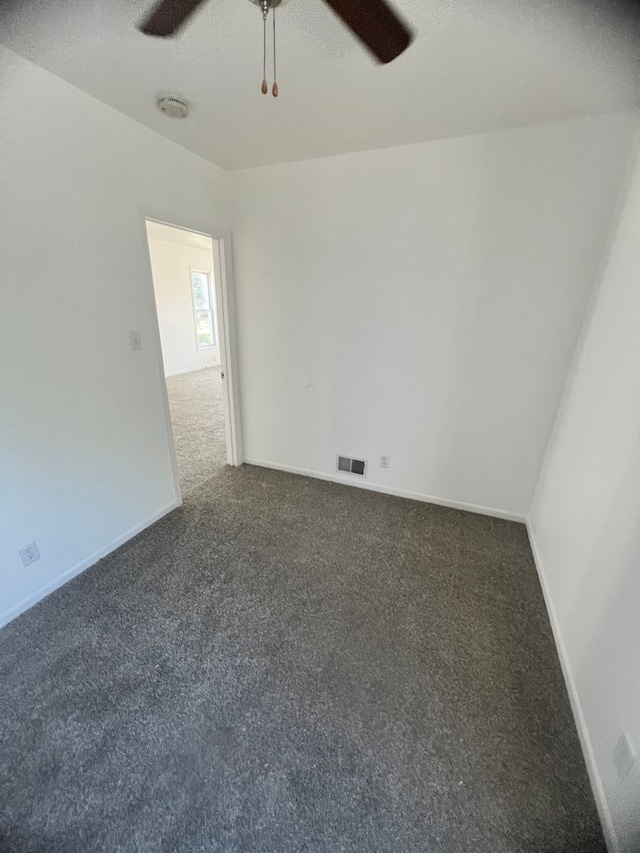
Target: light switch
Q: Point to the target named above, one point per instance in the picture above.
(135, 339)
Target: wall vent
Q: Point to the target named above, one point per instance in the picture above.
(348, 465)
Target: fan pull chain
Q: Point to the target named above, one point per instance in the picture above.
(274, 90)
(265, 11)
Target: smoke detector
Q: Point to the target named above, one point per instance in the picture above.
(172, 106)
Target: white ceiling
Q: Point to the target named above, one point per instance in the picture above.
(179, 236)
(476, 65)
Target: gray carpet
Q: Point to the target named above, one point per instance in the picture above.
(287, 665)
(197, 418)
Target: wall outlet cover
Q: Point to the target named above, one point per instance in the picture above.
(29, 554)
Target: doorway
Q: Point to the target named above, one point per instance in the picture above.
(186, 270)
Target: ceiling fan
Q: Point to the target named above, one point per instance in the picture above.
(374, 22)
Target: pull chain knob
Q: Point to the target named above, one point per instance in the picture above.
(265, 12)
(265, 5)
(274, 90)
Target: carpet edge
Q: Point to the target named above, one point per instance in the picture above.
(597, 787)
(46, 590)
(493, 512)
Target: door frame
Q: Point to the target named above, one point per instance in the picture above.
(222, 288)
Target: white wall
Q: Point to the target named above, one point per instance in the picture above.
(585, 524)
(83, 437)
(170, 265)
(432, 295)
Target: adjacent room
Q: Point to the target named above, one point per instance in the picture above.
(182, 267)
(319, 422)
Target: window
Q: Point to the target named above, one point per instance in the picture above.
(203, 309)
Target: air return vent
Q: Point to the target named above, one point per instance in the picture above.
(348, 465)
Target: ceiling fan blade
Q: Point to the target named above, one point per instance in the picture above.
(167, 16)
(376, 24)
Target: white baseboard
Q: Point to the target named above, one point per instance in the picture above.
(388, 490)
(610, 837)
(60, 580)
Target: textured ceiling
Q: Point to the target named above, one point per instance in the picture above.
(476, 65)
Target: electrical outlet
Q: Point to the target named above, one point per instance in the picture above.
(135, 339)
(384, 461)
(29, 554)
(624, 756)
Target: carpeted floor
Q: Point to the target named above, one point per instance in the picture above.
(197, 418)
(287, 665)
